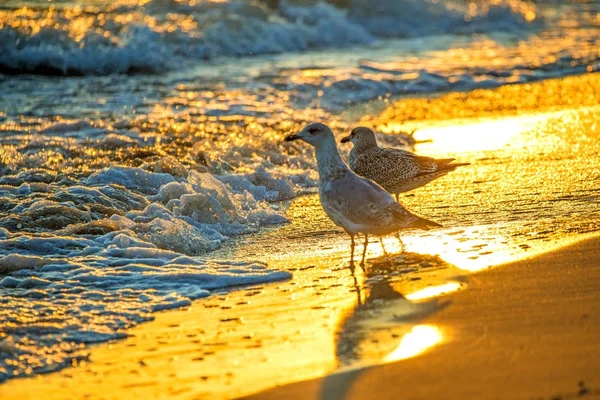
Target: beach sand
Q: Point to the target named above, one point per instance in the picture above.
(438, 322)
(528, 330)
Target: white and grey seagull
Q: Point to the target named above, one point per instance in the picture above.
(396, 170)
(352, 202)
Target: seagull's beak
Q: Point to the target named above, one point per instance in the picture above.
(346, 139)
(291, 138)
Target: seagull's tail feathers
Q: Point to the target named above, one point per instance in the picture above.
(408, 220)
(447, 167)
(425, 224)
(442, 162)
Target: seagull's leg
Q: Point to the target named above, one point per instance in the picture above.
(351, 249)
(397, 197)
(402, 247)
(362, 262)
(385, 253)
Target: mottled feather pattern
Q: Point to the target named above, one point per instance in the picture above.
(396, 170)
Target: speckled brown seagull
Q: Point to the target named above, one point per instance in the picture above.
(397, 171)
(354, 203)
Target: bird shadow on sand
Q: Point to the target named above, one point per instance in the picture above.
(381, 318)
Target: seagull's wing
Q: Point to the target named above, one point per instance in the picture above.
(359, 200)
(386, 165)
(415, 164)
(375, 192)
(427, 165)
(400, 215)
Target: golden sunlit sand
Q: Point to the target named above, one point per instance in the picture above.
(527, 330)
(424, 313)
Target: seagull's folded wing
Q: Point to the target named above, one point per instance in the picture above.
(360, 200)
(393, 164)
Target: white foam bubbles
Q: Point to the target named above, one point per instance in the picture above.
(96, 288)
(132, 178)
(101, 257)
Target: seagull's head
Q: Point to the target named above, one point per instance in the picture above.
(314, 134)
(360, 135)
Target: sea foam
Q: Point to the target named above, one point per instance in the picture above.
(101, 257)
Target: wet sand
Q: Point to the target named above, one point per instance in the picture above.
(520, 198)
(226, 345)
(528, 330)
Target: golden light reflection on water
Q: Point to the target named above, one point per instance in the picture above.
(486, 135)
(472, 255)
(415, 342)
(432, 291)
(526, 191)
(469, 253)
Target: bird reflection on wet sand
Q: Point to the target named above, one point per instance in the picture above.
(384, 323)
(382, 313)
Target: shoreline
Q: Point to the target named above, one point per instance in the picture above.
(224, 345)
(209, 347)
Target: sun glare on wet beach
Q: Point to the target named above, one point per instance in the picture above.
(416, 341)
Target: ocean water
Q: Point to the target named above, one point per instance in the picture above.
(138, 136)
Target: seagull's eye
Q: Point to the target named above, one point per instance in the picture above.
(314, 130)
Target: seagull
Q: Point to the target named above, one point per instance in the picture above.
(396, 170)
(352, 202)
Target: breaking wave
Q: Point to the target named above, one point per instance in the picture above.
(160, 35)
